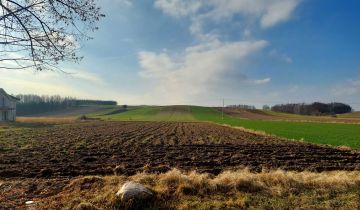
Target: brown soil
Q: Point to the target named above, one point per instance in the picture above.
(102, 148)
(74, 111)
(250, 114)
(15, 192)
(261, 115)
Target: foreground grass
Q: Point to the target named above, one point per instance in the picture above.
(43, 120)
(229, 190)
(322, 133)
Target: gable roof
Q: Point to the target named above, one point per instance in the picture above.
(10, 97)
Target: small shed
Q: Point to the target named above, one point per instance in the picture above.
(7, 106)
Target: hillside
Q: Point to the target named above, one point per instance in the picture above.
(151, 113)
(344, 130)
(279, 124)
(257, 114)
(73, 111)
(351, 115)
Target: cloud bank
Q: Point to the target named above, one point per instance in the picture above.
(200, 69)
(265, 13)
(77, 83)
(197, 71)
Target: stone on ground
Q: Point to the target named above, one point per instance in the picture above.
(134, 195)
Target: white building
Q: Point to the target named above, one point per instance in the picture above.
(7, 106)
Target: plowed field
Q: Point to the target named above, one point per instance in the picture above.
(256, 114)
(127, 147)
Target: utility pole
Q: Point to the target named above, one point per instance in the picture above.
(222, 110)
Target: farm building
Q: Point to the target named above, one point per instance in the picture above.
(7, 106)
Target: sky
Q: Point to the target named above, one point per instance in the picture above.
(199, 52)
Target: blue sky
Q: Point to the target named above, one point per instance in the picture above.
(198, 52)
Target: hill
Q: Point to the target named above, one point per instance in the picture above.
(151, 113)
(73, 111)
(351, 115)
(284, 125)
(341, 131)
(257, 114)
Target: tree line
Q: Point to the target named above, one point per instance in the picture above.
(241, 106)
(316, 108)
(29, 104)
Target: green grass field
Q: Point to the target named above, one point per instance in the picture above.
(151, 113)
(322, 133)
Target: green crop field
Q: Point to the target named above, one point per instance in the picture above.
(322, 133)
(151, 113)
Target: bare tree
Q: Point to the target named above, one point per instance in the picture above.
(40, 34)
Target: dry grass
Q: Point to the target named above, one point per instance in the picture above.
(47, 120)
(229, 190)
(256, 132)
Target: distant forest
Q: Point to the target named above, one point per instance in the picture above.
(34, 104)
(241, 106)
(316, 108)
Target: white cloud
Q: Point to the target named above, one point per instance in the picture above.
(85, 76)
(127, 3)
(203, 70)
(14, 60)
(282, 56)
(277, 11)
(349, 88)
(154, 64)
(178, 8)
(76, 83)
(262, 81)
(347, 92)
(266, 13)
(246, 33)
(197, 71)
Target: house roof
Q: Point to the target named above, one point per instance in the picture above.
(10, 97)
(14, 98)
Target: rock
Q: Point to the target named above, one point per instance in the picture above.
(133, 195)
(133, 190)
(29, 203)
